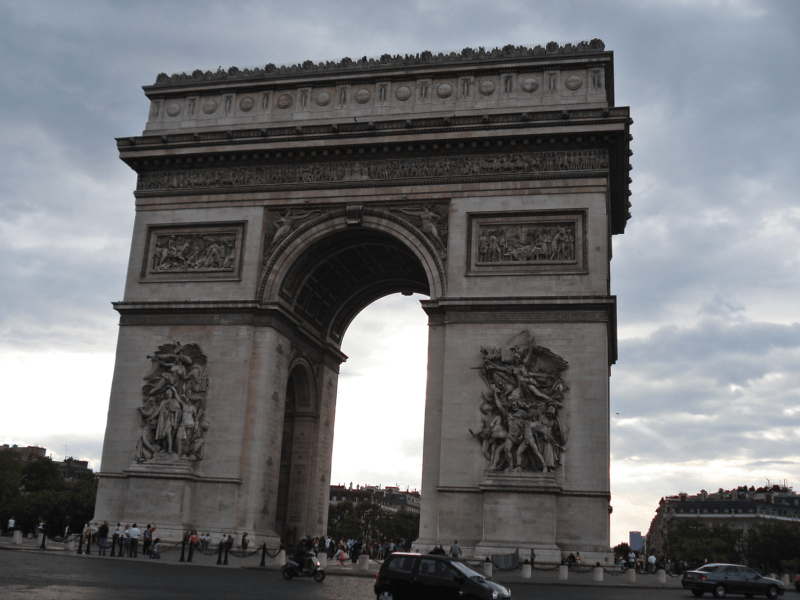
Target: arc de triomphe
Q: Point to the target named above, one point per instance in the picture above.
(274, 204)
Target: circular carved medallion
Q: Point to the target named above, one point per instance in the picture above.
(530, 85)
(285, 101)
(403, 93)
(210, 106)
(247, 103)
(573, 82)
(444, 90)
(363, 96)
(486, 88)
(323, 98)
(174, 109)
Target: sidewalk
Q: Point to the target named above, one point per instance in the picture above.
(538, 577)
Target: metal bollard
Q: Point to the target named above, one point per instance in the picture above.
(80, 545)
(225, 562)
(661, 576)
(183, 550)
(563, 572)
(219, 555)
(44, 538)
(630, 574)
(113, 546)
(597, 574)
(526, 571)
(487, 568)
(263, 555)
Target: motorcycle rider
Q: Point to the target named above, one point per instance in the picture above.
(301, 556)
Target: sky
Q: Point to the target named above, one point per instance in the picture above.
(705, 393)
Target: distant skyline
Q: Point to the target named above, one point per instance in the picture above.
(706, 391)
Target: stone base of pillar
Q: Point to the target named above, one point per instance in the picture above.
(563, 572)
(597, 574)
(661, 576)
(526, 571)
(630, 575)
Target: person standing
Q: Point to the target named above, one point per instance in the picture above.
(244, 542)
(12, 524)
(192, 539)
(115, 541)
(651, 563)
(40, 529)
(87, 533)
(126, 540)
(135, 533)
(102, 538)
(455, 550)
(147, 540)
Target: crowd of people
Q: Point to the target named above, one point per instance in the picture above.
(345, 550)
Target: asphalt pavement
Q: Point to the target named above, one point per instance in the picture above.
(29, 573)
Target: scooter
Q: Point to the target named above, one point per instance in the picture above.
(292, 569)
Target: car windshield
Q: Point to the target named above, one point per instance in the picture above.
(465, 570)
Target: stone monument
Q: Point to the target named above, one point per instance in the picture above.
(274, 204)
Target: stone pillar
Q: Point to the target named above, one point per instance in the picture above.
(630, 574)
(661, 576)
(526, 571)
(18, 537)
(785, 579)
(487, 569)
(363, 562)
(597, 574)
(563, 572)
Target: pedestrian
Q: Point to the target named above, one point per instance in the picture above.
(156, 546)
(134, 531)
(87, 533)
(126, 539)
(115, 540)
(102, 538)
(244, 542)
(148, 538)
(40, 529)
(12, 524)
(193, 539)
(455, 550)
(651, 563)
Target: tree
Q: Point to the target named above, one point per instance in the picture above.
(772, 545)
(691, 540)
(10, 482)
(622, 550)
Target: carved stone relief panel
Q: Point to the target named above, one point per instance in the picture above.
(193, 252)
(529, 243)
(431, 220)
(173, 412)
(521, 430)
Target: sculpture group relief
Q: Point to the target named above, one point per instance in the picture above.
(173, 411)
(550, 242)
(430, 167)
(521, 430)
(431, 220)
(194, 252)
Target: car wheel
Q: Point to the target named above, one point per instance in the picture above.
(287, 573)
(386, 595)
(698, 593)
(772, 591)
(319, 576)
(719, 591)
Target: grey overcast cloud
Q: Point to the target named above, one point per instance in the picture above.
(706, 391)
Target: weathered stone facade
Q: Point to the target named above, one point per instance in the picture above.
(274, 204)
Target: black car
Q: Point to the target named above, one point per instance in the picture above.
(721, 579)
(408, 575)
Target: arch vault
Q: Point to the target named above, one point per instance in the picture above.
(274, 204)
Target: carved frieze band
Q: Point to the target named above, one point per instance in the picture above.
(446, 167)
(576, 316)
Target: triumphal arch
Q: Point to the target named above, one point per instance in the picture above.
(273, 204)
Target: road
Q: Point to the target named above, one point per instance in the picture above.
(31, 575)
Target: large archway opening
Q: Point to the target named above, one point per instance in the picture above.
(338, 276)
